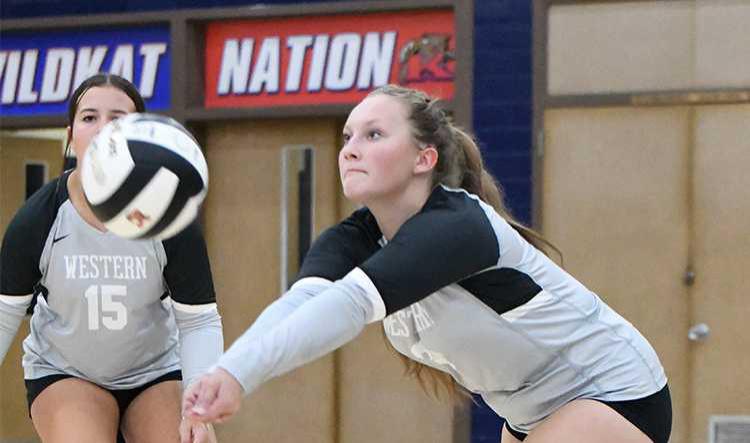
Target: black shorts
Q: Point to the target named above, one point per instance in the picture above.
(123, 397)
(652, 415)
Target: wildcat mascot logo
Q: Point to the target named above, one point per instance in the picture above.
(427, 59)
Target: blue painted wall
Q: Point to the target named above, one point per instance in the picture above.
(502, 98)
(502, 123)
(502, 95)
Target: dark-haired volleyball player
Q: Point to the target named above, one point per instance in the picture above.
(117, 323)
(459, 286)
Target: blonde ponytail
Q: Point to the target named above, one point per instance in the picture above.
(477, 180)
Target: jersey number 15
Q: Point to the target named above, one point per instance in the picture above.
(112, 313)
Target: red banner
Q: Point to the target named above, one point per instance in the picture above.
(333, 59)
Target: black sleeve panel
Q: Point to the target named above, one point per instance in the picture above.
(450, 239)
(341, 248)
(502, 289)
(25, 237)
(188, 271)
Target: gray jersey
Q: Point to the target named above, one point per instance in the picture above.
(103, 311)
(460, 290)
(526, 361)
(515, 328)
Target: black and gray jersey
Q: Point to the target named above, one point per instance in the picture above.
(459, 289)
(104, 304)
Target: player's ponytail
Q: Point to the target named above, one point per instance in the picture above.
(477, 180)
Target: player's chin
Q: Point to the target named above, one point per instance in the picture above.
(354, 191)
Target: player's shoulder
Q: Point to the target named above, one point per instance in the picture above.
(358, 229)
(38, 212)
(342, 246)
(454, 200)
(451, 208)
(361, 222)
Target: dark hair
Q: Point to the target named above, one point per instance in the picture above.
(459, 165)
(104, 79)
(97, 80)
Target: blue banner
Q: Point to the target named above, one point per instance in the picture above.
(39, 70)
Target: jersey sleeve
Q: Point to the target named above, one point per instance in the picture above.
(450, 239)
(341, 248)
(188, 271)
(24, 241)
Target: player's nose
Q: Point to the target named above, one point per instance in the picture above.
(351, 150)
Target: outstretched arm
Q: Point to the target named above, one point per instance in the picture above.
(275, 313)
(435, 248)
(317, 327)
(300, 292)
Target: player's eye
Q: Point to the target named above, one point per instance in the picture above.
(90, 118)
(346, 137)
(374, 135)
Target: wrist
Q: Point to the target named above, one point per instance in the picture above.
(227, 374)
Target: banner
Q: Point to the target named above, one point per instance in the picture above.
(333, 59)
(39, 70)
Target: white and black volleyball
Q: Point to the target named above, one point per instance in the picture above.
(144, 176)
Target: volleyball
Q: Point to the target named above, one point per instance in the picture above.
(144, 176)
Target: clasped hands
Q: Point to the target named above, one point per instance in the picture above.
(213, 398)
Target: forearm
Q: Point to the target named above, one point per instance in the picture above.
(201, 340)
(317, 327)
(12, 310)
(276, 312)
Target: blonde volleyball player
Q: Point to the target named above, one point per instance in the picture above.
(104, 354)
(459, 286)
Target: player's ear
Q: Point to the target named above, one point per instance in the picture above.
(427, 159)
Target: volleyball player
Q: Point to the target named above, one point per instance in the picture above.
(459, 286)
(116, 323)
